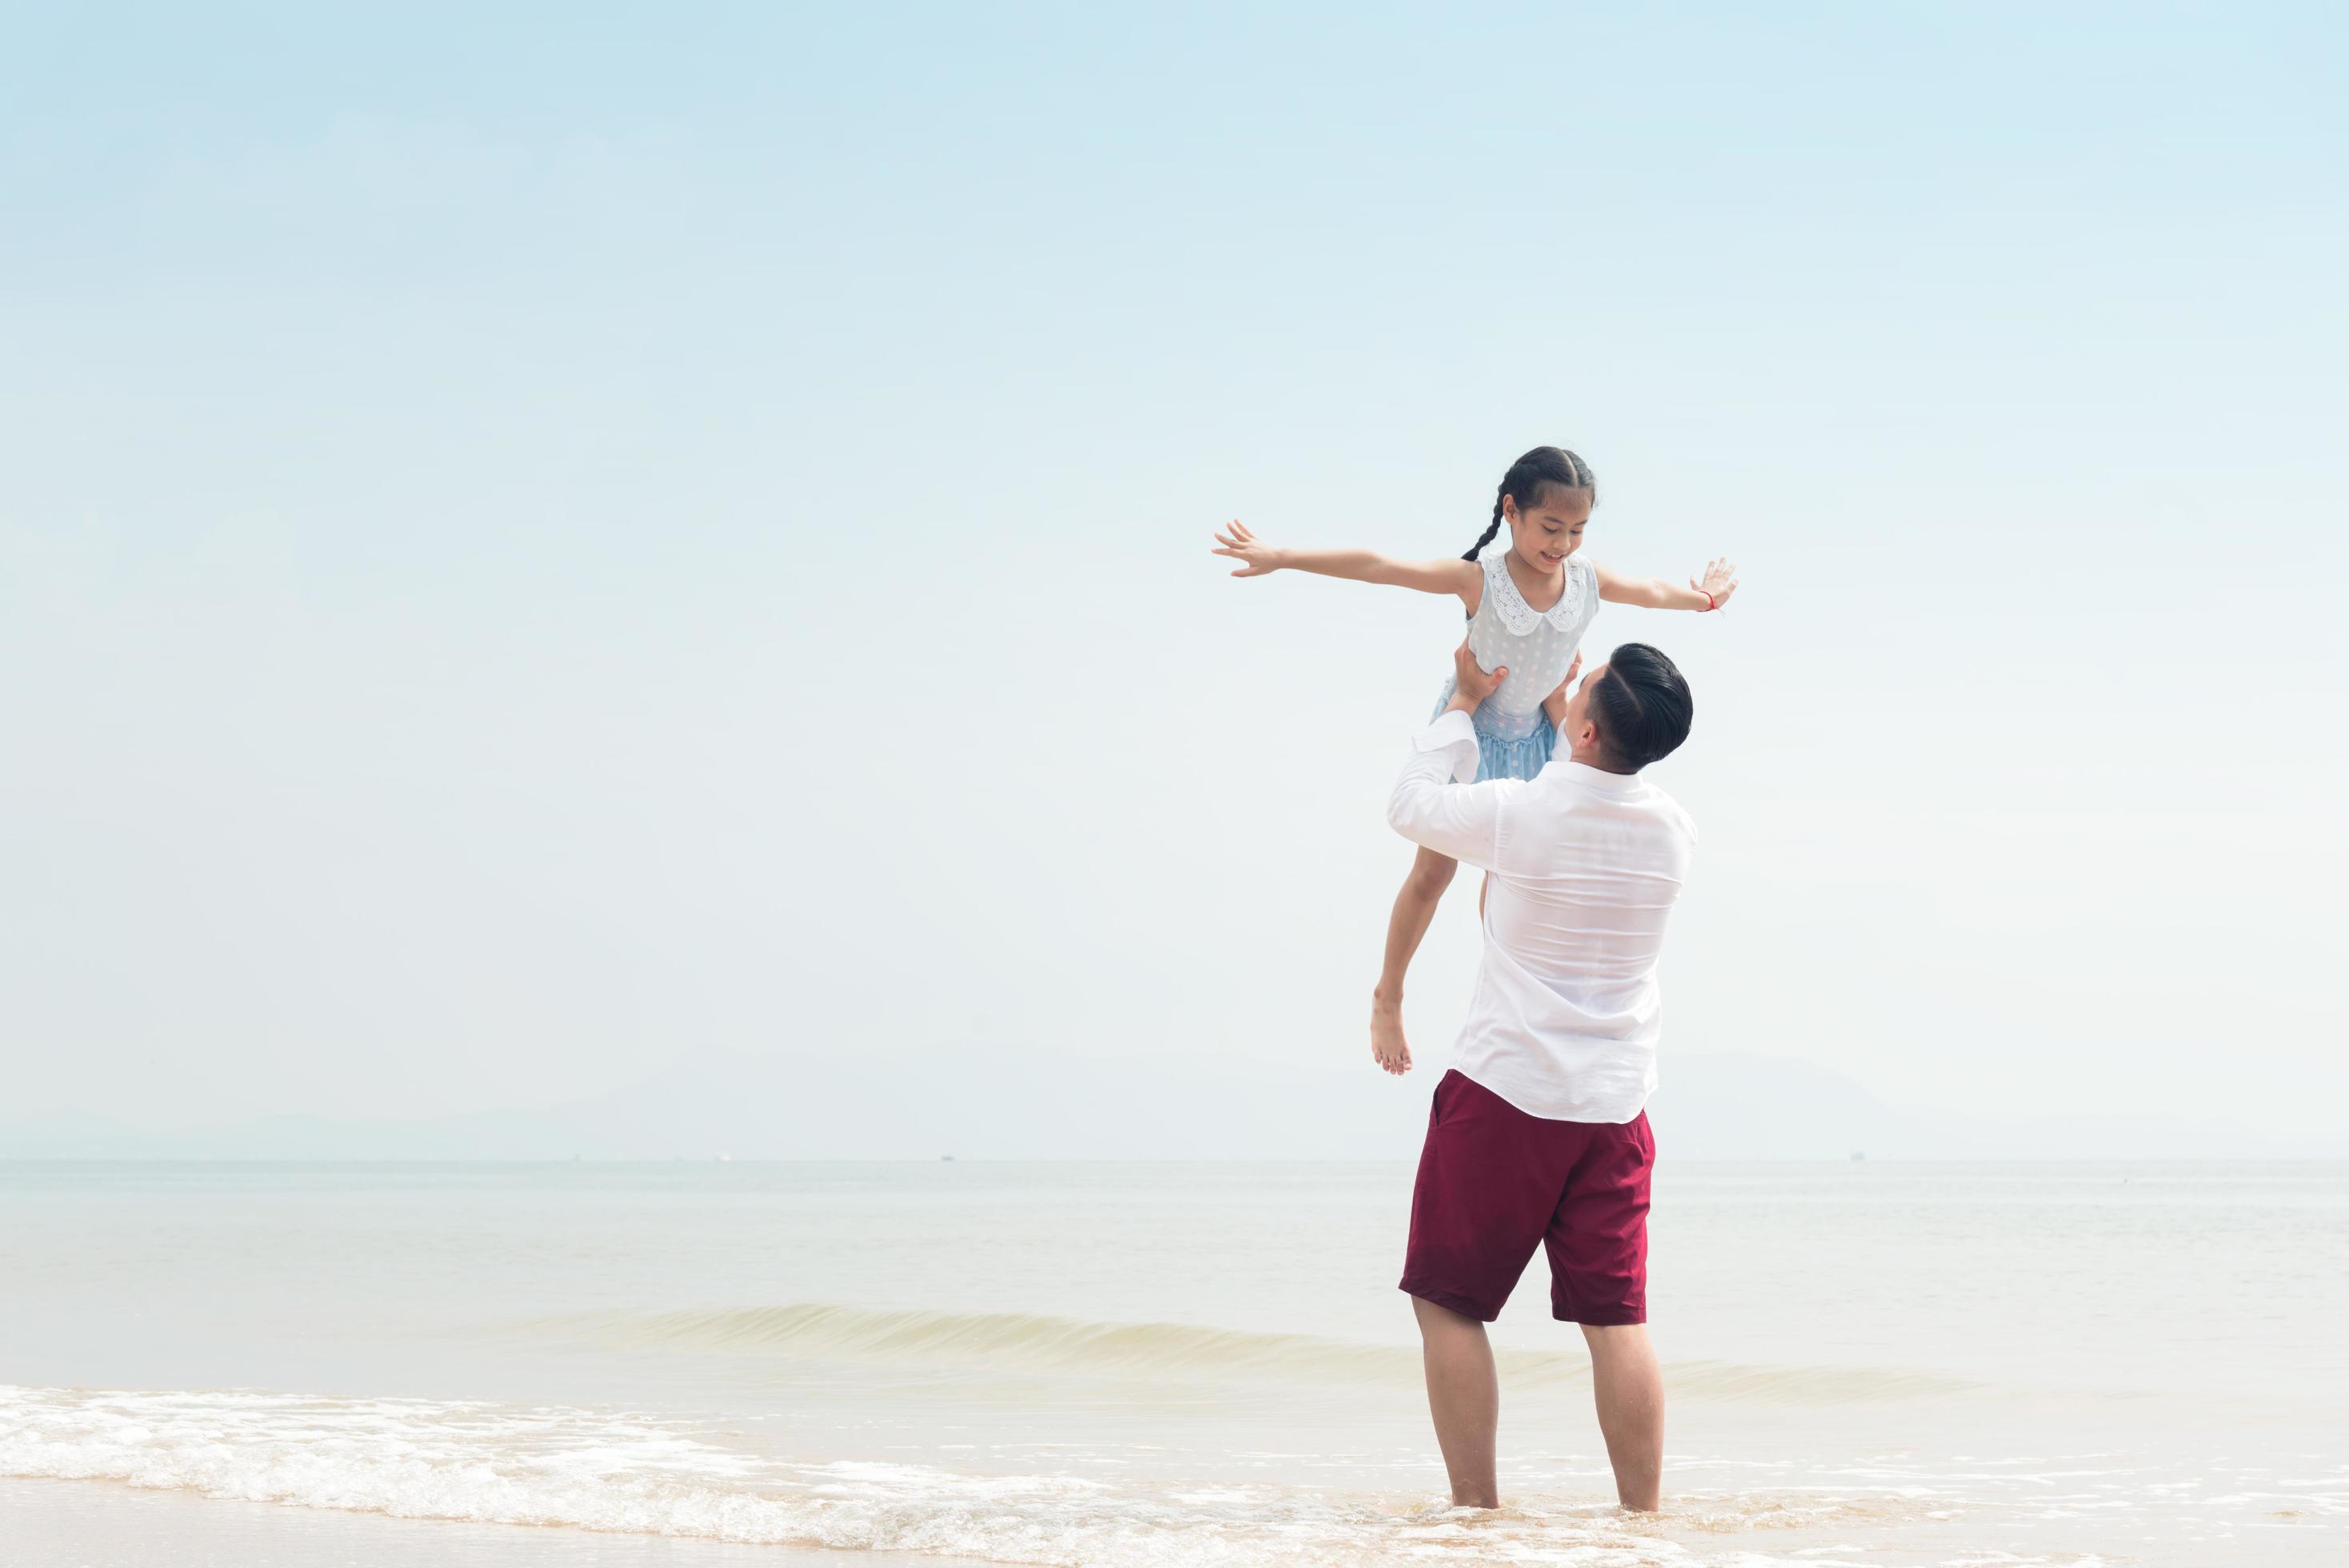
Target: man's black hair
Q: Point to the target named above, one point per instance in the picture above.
(1642, 706)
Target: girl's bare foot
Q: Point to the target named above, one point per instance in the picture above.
(1388, 1047)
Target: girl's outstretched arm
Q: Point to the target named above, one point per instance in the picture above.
(1464, 578)
(1709, 592)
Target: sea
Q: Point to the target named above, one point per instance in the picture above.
(1147, 1366)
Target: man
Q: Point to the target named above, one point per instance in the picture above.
(1539, 1133)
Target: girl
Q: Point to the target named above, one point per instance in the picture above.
(1529, 606)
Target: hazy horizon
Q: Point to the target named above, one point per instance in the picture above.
(723, 1105)
(534, 545)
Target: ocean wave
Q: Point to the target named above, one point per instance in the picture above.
(636, 1474)
(1028, 1343)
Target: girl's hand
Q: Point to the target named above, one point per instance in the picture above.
(1720, 580)
(1256, 556)
(1554, 704)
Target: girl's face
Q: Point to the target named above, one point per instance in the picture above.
(1550, 530)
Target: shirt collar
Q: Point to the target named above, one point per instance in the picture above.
(1599, 779)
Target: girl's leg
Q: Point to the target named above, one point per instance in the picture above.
(1414, 906)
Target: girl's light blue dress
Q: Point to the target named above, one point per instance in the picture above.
(1514, 736)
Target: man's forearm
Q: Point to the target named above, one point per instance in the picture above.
(1434, 806)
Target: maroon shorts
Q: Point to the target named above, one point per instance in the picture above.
(1494, 1182)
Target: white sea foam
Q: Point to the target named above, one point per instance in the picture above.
(641, 1474)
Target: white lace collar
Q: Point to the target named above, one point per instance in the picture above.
(1502, 593)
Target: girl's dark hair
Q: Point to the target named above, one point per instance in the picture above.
(1527, 478)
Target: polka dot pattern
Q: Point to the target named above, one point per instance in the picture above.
(1537, 645)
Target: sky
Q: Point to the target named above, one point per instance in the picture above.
(539, 541)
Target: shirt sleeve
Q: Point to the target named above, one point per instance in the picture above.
(1435, 805)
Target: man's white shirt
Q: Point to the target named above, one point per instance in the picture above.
(1586, 866)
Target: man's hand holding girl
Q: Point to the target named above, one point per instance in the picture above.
(1470, 684)
(1554, 704)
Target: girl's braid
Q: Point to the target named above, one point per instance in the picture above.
(1485, 538)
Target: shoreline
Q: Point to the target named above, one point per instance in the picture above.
(100, 1524)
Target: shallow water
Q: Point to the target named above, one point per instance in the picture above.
(1185, 1364)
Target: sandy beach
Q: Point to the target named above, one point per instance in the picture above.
(105, 1524)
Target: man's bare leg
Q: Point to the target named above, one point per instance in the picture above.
(1628, 1386)
(1414, 906)
(1464, 1395)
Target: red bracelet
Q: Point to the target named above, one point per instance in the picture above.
(1709, 602)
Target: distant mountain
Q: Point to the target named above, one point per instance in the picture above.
(987, 1103)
